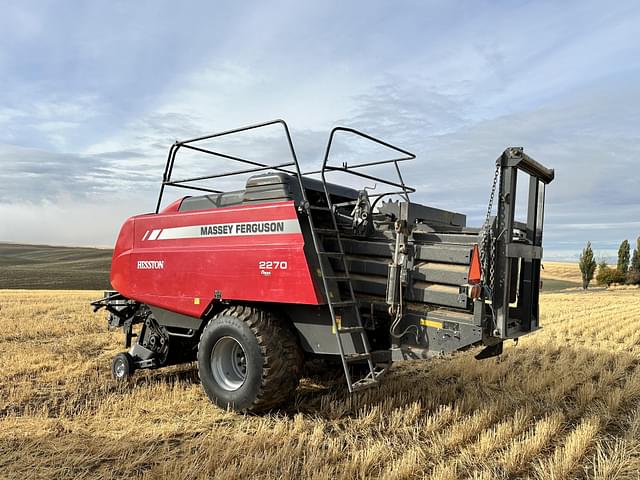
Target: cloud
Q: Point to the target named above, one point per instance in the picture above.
(68, 221)
(55, 121)
(587, 136)
(31, 175)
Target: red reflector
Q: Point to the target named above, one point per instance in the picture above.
(475, 272)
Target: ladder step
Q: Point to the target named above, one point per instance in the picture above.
(354, 357)
(364, 383)
(351, 330)
(321, 236)
(331, 254)
(344, 204)
(344, 303)
(338, 278)
(326, 231)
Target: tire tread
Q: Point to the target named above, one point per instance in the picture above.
(282, 356)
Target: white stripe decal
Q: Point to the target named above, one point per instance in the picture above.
(144, 237)
(270, 227)
(154, 234)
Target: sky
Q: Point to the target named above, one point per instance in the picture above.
(94, 93)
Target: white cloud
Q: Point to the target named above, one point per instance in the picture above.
(67, 221)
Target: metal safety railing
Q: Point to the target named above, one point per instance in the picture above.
(404, 190)
(191, 144)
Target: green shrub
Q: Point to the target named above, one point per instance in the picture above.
(606, 275)
(633, 278)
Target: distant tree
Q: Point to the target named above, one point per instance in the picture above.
(633, 275)
(587, 265)
(635, 258)
(623, 257)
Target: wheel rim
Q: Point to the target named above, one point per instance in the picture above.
(229, 363)
(120, 369)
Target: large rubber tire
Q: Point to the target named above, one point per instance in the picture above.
(272, 356)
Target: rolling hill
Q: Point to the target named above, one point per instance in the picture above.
(561, 275)
(49, 267)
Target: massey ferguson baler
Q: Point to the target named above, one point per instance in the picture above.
(250, 283)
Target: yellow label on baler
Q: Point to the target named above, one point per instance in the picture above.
(196, 301)
(430, 323)
(338, 323)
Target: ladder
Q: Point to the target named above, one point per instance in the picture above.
(338, 305)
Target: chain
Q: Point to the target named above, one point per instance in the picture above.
(485, 235)
(493, 263)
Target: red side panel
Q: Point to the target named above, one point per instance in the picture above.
(180, 260)
(120, 272)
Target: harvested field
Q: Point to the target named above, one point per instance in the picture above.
(560, 276)
(567, 271)
(562, 404)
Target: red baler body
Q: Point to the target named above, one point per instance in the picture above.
(250, 283)
(168, 261)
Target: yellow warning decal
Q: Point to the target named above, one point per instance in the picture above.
(338, 323)
(430, 323)
(196, 301)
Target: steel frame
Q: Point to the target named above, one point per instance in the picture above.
(509, 253)
(257, 166)
(404, 190)
(326, 167)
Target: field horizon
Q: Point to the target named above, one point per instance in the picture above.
(56, 267)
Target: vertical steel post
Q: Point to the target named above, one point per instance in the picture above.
(504, 233)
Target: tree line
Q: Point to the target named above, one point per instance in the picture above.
(626, 271)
